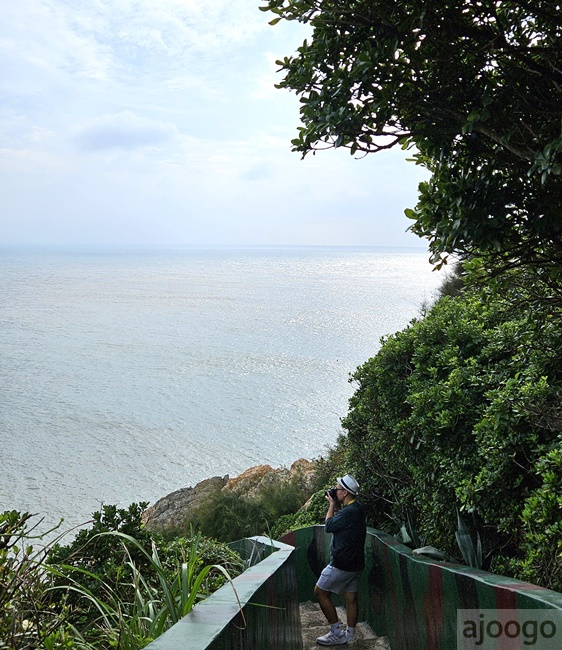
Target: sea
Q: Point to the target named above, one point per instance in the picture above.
(129, 373)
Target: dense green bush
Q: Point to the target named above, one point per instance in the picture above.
(462, 409)
(541, 560)
(312, 514)
(115, 585)
(103, 555)
(228, 515)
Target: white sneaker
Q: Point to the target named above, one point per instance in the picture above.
(350, 639)
(332, 638)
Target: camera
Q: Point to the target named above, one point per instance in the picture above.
(332, 492)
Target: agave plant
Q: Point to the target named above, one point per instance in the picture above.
(472, 555)
(409, 535)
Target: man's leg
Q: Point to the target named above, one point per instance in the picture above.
(336, 636)
(326, 605)
(351, 599)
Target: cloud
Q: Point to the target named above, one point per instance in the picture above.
(137, 120)
(43, 43)
(126, 131)
(167, 37)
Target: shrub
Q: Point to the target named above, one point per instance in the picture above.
(228, 515)
(26, 615)
(462, 409)
(541, 549)
(107, 588)
(96, 554)
(311, 514)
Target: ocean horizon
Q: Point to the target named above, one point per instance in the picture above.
(131, 372)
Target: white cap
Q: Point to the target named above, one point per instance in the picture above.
(349, 483)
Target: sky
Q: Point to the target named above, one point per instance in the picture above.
(157, 122)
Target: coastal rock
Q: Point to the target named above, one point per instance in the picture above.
(252, 480)
(170, 511)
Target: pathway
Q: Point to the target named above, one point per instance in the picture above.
(314, 625)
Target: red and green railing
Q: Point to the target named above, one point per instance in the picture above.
(414, 600)
(410, 599)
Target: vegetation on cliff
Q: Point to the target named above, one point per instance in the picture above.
(462, 409)
(116, 585)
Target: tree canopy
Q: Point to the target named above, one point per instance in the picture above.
(474, 87)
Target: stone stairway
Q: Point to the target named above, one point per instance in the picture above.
(314, 625)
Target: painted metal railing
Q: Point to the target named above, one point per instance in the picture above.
(413, 600)
(262, 611)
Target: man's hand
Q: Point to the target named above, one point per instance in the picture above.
(332, 507)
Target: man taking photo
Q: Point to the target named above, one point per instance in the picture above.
(345, 519)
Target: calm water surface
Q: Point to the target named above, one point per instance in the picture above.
(126, 375)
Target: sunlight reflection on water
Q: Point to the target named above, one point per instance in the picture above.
(128, 375)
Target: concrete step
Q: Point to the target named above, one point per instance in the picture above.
(314, 625)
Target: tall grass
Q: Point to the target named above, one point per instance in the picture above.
(132, 625)
(56, 605)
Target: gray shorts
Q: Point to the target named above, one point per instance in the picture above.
(336, 580)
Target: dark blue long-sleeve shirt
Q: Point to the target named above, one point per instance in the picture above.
(348, 528)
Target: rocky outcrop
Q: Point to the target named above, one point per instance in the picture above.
(252, 480)
(168, 513)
